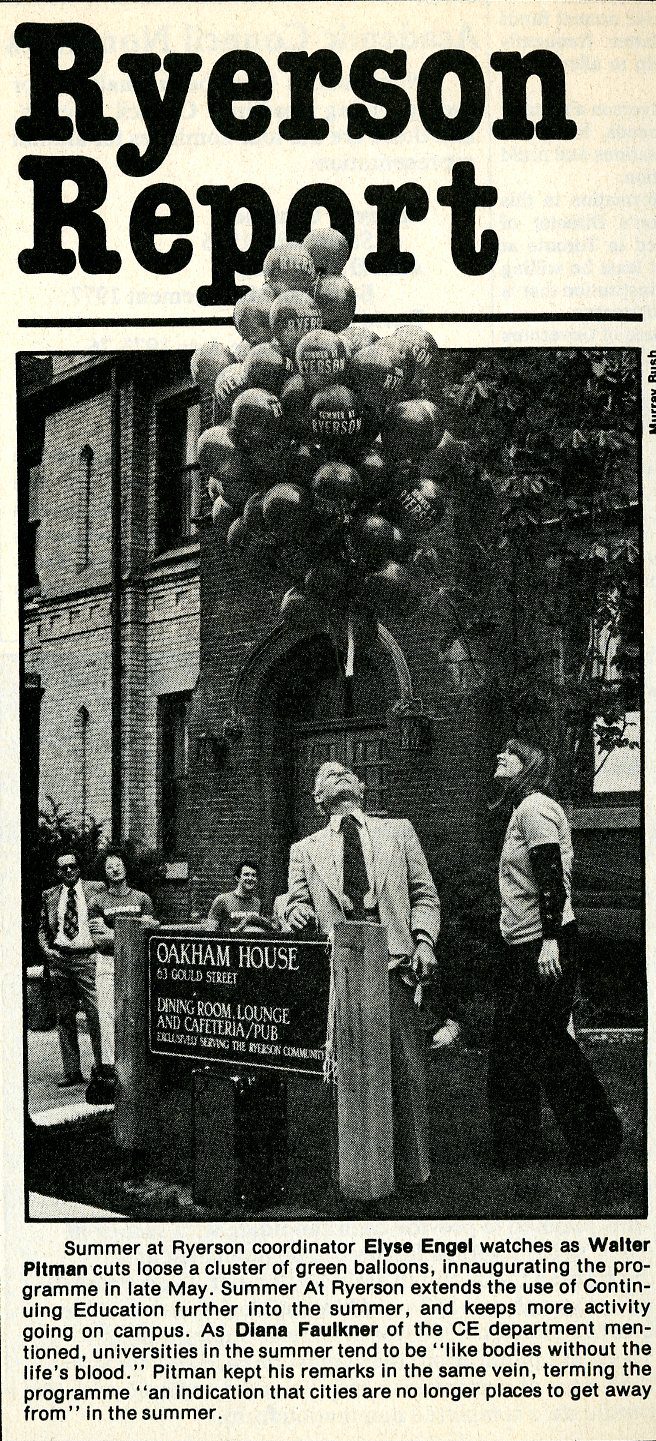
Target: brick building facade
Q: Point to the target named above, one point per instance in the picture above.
(224, 712)
(248, 656)
(66, 460)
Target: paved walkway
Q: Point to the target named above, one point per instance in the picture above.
(48, 1106)
(49, 1208)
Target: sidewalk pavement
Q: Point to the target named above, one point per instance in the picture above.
(79, 1165)
(49, 1208)
(47, 1105)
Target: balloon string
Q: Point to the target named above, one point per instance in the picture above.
(350, 648)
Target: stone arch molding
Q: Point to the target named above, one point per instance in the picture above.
(268, 653)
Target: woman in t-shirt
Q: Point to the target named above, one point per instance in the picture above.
(531, 1049)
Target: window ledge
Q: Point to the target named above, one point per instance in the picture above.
(184, 547)
(176, 870)
(169, 560)
(606, 818)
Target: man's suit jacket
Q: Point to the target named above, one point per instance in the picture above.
(49, 923)
(405, 893)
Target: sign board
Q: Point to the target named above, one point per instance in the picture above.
(239, 1001)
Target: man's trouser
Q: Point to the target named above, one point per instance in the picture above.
(412, 1161)
(74, 981)
(409, 1114)
(106, 1005)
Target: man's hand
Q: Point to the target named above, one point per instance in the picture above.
(103, 938)
(423, 960)
(99, 927)
(549, 967)
(300, 916)
(446, 1035)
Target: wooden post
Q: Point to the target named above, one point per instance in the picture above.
(214, 1173)
(362, 1052)
(136, 1103)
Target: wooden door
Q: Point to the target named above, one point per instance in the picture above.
(361, 745)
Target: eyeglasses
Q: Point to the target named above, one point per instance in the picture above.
(72, 867)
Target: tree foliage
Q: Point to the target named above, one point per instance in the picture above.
(59, 831)
(546, 572)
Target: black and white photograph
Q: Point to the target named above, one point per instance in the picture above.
(331, 771)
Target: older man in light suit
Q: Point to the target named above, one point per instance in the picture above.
(359, 867)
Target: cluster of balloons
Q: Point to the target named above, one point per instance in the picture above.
(321, 427)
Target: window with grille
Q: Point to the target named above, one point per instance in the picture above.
(84, 477)
(616, 734)
(30, 529)
(598, 663)
(82, 739)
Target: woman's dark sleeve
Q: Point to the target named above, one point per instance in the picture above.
(547, 865)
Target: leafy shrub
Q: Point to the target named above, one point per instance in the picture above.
(58, 833)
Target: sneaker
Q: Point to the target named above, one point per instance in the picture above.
(101, 1089)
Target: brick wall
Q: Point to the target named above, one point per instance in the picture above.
(174, 641)
(68, 644)
(67, 432)
(61, 364)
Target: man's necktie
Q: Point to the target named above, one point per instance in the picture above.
(356, 881)
(71, 925)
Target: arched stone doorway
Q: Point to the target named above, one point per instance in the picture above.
(299, 711)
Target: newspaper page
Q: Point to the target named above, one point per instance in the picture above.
(329, 366)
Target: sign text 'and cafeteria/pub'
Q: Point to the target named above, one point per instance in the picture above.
(241, 1001)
